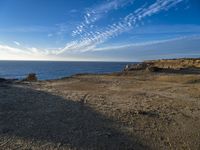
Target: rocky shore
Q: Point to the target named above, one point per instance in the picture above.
(167, 65)
(153, 105)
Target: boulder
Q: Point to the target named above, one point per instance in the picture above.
(133, 67)
(31, 77)
(2, 80)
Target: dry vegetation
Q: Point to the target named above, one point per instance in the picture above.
(176, 63)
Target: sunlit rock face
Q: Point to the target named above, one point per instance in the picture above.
(157, 65)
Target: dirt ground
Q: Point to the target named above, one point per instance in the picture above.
(113, 112)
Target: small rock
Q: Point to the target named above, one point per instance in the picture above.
(2, 80)
(31, 77)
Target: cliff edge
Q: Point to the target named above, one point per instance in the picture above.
(166, 64)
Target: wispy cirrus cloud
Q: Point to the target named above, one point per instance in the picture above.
(167, 29)
(20, 49)
(179, 45)
(147, 44)
(186, 46)
(14, 50)
(90, 39)
(24, 53)
(92, 15)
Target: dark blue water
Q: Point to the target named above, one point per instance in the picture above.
(55, 70)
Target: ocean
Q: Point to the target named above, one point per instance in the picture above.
(46, 70)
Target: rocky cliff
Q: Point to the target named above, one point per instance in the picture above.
(174, 64)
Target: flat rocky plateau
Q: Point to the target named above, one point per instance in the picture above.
(141, 110)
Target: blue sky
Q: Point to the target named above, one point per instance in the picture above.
(100, 30)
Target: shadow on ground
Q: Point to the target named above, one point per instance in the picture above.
(180, 71)
(49, 122)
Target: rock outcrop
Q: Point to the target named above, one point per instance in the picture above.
(139, 66)
(31, 77)
(176, 63)
(170, 64)
(2, 80)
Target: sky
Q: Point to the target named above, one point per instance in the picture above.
(99, 30)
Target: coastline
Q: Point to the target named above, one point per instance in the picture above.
(128, 110)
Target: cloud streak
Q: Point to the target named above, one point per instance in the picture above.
(147, 44)
(119, 52)
(170, 48)
(94, 14)
(90, 39)
(23, 50)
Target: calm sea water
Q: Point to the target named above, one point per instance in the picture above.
(55, 70)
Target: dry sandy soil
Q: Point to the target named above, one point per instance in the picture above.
(88, 112)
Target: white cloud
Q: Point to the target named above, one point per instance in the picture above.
(23, 50)
(89, 40)
(167, 29)
(117, 52)
(23, 53)
(17, 43)
(94, 14)
(170, 48)
(14, 50)
(146, 44)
